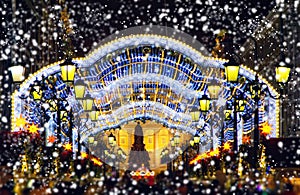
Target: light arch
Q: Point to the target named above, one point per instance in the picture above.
(90, 68)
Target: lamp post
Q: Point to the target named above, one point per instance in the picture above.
(196, 141)
(282, 74)
(204, 102)
(17, 73)
(255, 90)
(232, 71)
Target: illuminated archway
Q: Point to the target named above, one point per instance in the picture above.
(147, 76)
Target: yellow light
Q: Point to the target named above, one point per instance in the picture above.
(91, 140)
(68, 69)
(196, 138)
(21, 122)
(172, 142)
(195, 114)
(204, 103)
(282, 74)
(111, 139)
(192, 142)
(266, 129)
(84, 155)
(240, 105)
(120, 151)
(67, 146)
(227, 114)
(17, 73)
(87, 103)
(79, 89)
(63, 115)
(33, 129)
(36, 93)
(232, 73)
(214, 90)
(96, 161)
(255, 90)
(94, 115)
(232, 70)
(176, 138)
(227, 146)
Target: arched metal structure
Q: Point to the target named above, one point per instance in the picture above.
(146, 76)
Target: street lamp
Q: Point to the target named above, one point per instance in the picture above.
(204, 102)
(282, 72)
(232, 70)
(282, 69)
(213, 89)
(196, 138)
(176, 139)
(196, 141)
(68, 69)
(255, 90)
(79, 88)
(111, 139)
(17, 73)
(87, 103)
(195, 114)
(94, 114)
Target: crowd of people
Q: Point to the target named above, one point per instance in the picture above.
(164, 183)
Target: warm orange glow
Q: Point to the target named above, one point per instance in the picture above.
(96, 161)
(21, 122)
(215, 152)
(67, 146)
(51, 138)
(33, 129)
(227, 146)
(211, 153)
(84, 155)
(246, 139)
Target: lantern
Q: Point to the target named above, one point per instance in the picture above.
(91, 139)
(79, 89)
(204, 103)
(111, 139)
(172, 142)
(87, 103)
(282, 72)
(17, 73)
(192, 142)
(195, 114)
(232, 70)
(176, 139)
(214, 88)
(240, 104)
(228, 111)
(94, 114)
(255, 89)
(196, 138)
(68, 69)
